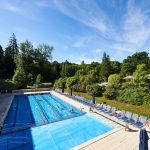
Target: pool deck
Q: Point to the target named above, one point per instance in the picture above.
(5, 102)
(117, 139)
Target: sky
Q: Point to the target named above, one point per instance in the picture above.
(79, 29)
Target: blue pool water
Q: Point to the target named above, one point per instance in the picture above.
(56, 125)
(61, 135)
(37, 109)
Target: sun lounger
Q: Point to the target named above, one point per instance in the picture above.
(99, 106)
(141, 121)
(112, 111)
(108, 108)
(134, 119)
(103, 107)
(121, 114)
(127, 116)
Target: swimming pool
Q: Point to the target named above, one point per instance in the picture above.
(37, 109)
(57, 124)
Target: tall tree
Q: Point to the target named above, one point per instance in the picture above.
(130, 63)
(105, 67)
(2, 68)
(13, 46)
(140, 74)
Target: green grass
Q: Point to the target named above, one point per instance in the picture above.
(141, 110)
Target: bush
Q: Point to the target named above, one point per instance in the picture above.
(133, 95)
(30, 79)
(19, 77)
(146, 102)
(7, 85)
(43, 85)
(39, 79)
(114, 79)
(111, 92)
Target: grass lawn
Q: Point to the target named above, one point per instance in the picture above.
(119, 105)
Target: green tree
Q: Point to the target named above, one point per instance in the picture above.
(19, 77)
(115, 67)
(130, 63)
(9, 63)
(60, 83)
(114, 79)
(39, 79)
(13, 46)
(105, 67)
(30, 80)
(94, 90)
(70, 82)
(140, 74)
(2, 67)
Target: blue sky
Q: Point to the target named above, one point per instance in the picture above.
(79, 29)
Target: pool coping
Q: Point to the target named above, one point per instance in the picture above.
(4, 114)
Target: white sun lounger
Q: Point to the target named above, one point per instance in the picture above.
(121, 114)
(134, 119)
(112, 111)
(141, 121)
(127, 116)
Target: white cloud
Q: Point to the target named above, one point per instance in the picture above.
(9, 6)
(97, 50)
(22, 8)
(136, 25)
(134, 29)
(83, 41)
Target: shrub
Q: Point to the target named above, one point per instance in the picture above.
(39, 79)
(111, 92)
(114, 79)
(133, 95)
(7, 85)
(19, 77)
(43, 85)
(30, 79)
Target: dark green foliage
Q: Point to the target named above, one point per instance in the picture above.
(7, 85)
(60, 83)
(105, 67)
(19, 77)
(115, 67)
(67, 69)
(129, 65)
(111, 92)
(43, 85)
(2, 67)
(30, 80)
(13, 47)
(71, 81)
(39, 79)
(94, 90)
